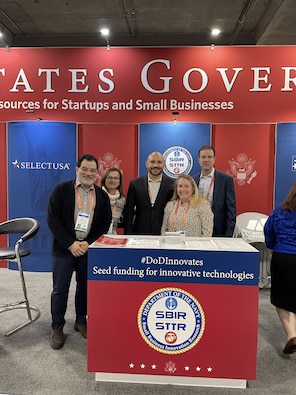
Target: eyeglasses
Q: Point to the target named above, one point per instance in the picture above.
(85, 170)
(110, 178)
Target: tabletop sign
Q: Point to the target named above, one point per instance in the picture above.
(178, 314)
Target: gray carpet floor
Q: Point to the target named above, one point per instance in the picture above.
(28, 366)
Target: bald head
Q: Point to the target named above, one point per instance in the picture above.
(155, 165)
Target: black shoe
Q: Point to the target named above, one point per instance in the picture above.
(290, 347)
(57, 339)
(82, 329)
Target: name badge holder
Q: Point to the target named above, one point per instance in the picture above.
(82, 222)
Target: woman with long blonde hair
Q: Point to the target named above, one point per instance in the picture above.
(188, 212)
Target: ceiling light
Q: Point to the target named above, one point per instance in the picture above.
(175, 113)
(105, 32)
(216, 32)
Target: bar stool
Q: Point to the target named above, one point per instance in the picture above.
(27, 228)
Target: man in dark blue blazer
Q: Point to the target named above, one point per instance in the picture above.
(146, 199)
(218, 188)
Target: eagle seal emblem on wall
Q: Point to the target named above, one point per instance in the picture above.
(242, 169)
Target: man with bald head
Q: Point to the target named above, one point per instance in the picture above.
(146, 199)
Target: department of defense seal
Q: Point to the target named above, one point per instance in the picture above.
(171, 321)
(178, 160)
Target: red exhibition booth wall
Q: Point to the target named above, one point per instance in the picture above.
(250, 148)
(113, 145)
(241, 92)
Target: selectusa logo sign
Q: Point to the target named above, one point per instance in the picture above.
(41, 165)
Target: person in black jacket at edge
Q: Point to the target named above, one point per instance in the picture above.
(78, 213)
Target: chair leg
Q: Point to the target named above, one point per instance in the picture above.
(21, 305)
(21, 273)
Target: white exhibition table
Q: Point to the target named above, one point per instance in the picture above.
(173, 310)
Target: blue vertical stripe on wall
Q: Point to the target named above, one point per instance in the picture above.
(40, 155)
(285, 164)
(161, 136)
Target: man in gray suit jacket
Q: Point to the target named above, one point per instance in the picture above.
(218, 188)
(146, 199)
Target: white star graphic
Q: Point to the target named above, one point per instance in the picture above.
(142, 366)
(209, 369)
(187, 368)
(198, 368)
(153, 366)
(131, 365)
(15, 163)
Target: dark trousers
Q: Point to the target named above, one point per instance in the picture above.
(62, 270)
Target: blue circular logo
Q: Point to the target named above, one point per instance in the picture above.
(177, 160)
(171, 321)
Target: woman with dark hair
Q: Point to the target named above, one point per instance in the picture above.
(112, 183)
(280, 238)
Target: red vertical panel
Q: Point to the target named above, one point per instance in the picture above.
(246, 151)
(3, 185)
(114, 145)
